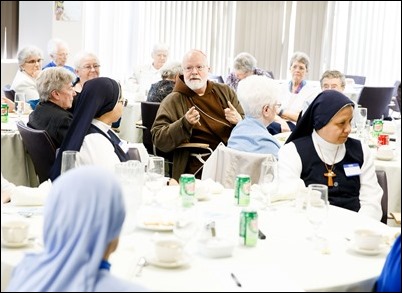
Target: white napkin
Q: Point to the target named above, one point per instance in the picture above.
(30, 196)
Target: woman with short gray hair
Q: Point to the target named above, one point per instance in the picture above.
(56, 97)
(30, 65)
(162, 88)
(244, 65)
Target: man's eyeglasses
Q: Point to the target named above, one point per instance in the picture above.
(124, 102)
(89, 67)
(34, 61)
(191, 68)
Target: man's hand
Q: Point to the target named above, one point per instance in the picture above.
(192, 116)
(231, 114)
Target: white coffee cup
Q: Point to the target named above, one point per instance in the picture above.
(367, 239)
(168, 250)
(385, 152)
(15, 231)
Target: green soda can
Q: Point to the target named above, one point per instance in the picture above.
(377, 127)
(187, 189)
(242, 190)
(248, 229)
(4, 113)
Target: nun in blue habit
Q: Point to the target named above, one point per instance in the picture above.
(83, 218)
(319, 150)
(99, 105)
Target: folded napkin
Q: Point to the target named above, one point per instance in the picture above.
(30, 196)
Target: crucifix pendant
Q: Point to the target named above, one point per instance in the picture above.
(330, 174)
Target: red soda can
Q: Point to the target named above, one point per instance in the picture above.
(383, 139)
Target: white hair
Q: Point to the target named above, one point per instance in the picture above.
(256, 91)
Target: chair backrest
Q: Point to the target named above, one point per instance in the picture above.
(8, 92)
(216, 78)
(382, 180)
(359, 79)
(40, 148)
(148, 114)
(376, 100)
(225, 164)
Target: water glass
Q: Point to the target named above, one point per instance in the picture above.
(269, 179)
(317, 207)
(19, 101)
(68, 161)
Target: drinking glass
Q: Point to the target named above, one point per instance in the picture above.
(68, 161)
(186, 224)
(155, 176)
(269, 179)
(19, 106)
(131, 177)
(317, 208)
(361, 118)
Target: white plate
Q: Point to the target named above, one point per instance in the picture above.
(369, 251)
(384, 158)
(14, 245)
(156, 226)
(169, 265)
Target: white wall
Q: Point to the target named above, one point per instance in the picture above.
(37, 25)
(38, 30)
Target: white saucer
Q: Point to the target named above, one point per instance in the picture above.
(169, 265)
(384, 158)
(369, 251)
(14, 245)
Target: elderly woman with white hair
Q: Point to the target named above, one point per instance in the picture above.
(58, 52)
(244, 65)
(258, 96)
(87, 66)
(162, 88)
(30, 65)
(150, 73)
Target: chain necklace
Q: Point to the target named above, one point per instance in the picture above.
(330, 173)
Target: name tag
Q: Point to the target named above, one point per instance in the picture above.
(352, 169)
(124, 146)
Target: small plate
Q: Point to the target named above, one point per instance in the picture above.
(14, 245)
(156, 226)
(369, 251)
(169, 265)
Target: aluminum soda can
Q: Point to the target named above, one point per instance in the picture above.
(4, 113)
(377, 126)
(383, 139)
(242, 190)
(187, 189)
(248, 229)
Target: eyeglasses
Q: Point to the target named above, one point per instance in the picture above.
(89, 67)
(124, 102)
(34, 61)
(191, 68)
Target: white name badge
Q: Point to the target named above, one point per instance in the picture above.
(124, 146)
(352, 169)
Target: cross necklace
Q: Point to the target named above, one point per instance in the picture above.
(330, 173)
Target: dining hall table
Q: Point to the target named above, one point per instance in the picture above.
(287, 260)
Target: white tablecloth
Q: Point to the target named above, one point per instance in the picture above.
(131, 114)
(285, 261)
(16, 164)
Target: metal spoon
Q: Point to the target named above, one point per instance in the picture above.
(142, 262)
(25, 214)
